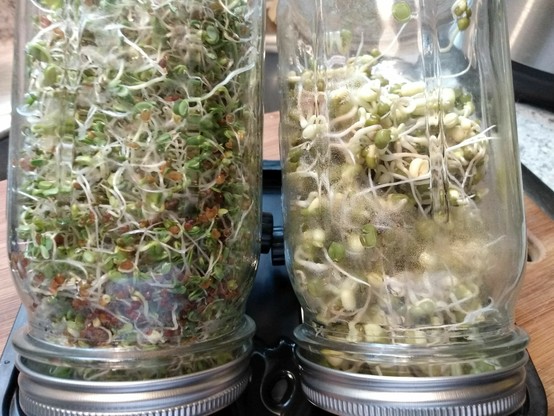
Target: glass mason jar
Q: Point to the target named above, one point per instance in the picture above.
(404, 220)
(134, 193)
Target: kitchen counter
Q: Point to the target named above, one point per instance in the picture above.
(535, 130)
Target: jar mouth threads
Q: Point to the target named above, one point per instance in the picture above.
(369, 378)
(132, 365)
(196, 380)
(472, 354)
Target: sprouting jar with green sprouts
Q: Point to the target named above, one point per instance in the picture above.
(134, 186)
(394, 200)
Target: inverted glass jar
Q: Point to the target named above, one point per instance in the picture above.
(134, 185)
(404, 221)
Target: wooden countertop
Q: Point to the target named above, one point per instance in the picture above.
(535, 308)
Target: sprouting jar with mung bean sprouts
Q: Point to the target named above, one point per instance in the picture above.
(402, 200)
(134, 186)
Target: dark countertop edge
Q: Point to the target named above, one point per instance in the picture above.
(538, 191)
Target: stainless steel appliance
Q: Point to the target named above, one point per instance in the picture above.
(532, 49)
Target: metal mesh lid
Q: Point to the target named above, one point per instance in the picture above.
(349, 394)
(200, 393)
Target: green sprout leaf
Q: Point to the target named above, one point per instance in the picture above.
(401, 11)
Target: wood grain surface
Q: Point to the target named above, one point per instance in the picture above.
(534, 312)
